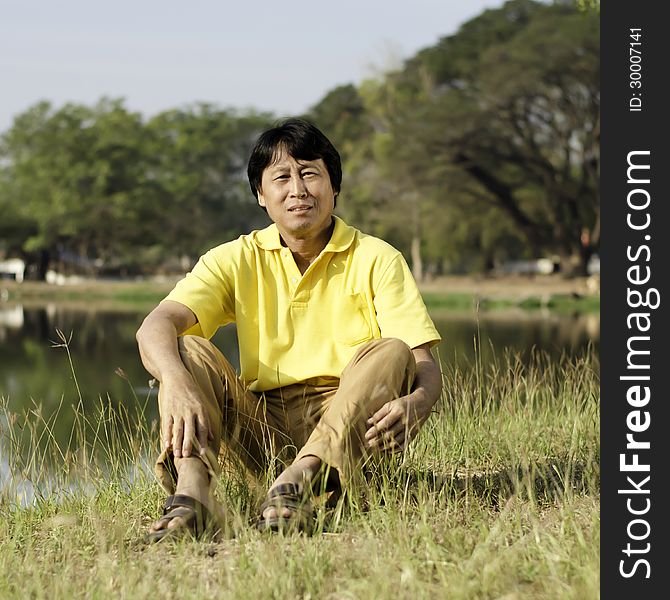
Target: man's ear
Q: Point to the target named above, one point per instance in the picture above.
(261, 199)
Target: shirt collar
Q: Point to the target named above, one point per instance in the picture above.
(343, 236)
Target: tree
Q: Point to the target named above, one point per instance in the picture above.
(95, 189)
(74, 178)
(515, 105)
(199, 158)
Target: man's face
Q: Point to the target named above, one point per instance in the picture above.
(298, 195)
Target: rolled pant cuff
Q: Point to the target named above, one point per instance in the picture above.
(350, 475)
(166, 472)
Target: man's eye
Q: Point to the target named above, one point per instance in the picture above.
(308, 173)
(281, 177)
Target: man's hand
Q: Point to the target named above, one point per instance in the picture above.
(183, 418)
(396, 423)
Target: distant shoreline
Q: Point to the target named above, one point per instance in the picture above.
(451, 292)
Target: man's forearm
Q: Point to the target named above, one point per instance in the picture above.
(157, 342)
(427, 382)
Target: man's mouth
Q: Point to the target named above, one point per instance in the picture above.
(300, 208)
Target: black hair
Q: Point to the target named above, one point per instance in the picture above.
(300, 139)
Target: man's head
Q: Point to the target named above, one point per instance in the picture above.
(298, 139)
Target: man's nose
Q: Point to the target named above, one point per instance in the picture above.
(298, 188)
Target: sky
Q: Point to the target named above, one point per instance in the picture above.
(271, 56)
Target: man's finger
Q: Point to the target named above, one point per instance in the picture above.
(382, 438)
(409, 433)
(397, 443)
(379, 415)
(167, 434)
(177, 436)
(389, 444)
(189, 434)
(385, 424)
(402, 438)
(203, 432)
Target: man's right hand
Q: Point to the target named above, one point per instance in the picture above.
(184, 421)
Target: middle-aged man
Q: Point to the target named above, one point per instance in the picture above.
(334, 343)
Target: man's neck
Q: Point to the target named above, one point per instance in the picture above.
(306, 249)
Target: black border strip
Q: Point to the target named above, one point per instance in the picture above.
(633, 549)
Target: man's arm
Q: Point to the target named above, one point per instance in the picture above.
(396, 423)
(183, 418)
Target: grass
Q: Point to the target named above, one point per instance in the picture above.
(132, 294)
(497, 498)
(559, 303)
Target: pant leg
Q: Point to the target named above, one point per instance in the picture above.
(380, 371)
(244, 434)
(298, 408)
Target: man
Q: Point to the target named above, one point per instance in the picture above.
(334, 347)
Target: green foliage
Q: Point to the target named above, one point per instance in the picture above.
(199, 166)
(99, 190)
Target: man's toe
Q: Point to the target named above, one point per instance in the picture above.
(169, 521)
(270, 513)
(176, 522)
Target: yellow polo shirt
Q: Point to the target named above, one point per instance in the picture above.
(296, 328)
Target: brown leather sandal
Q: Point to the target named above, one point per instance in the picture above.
(195, 514)
(287, 495)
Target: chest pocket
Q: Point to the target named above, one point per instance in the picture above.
(352, 321)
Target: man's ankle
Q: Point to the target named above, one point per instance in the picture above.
(193, 478)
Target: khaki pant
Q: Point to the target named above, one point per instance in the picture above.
(325, 418)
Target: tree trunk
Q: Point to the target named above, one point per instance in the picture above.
(417, 261)
(576, 263)
(43, 264)
(415, 248)
(37, 265)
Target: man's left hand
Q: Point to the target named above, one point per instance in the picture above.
(396, 423)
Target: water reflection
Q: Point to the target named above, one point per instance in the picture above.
(34, 368)
(517, 331)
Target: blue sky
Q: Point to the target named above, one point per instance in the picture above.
(281, 57)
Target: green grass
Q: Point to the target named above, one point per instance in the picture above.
(560, 303)
(497, 498)
(130, 293)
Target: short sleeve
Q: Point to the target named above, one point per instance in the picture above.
(401, 312)
(208, 292)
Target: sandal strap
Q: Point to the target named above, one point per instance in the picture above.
(181, 500)
(288, 495)
(201, 515)
(284, 490)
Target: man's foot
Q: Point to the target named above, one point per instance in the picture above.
(194, 517)
(192, 509)
(288, 510)
(285, 500)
